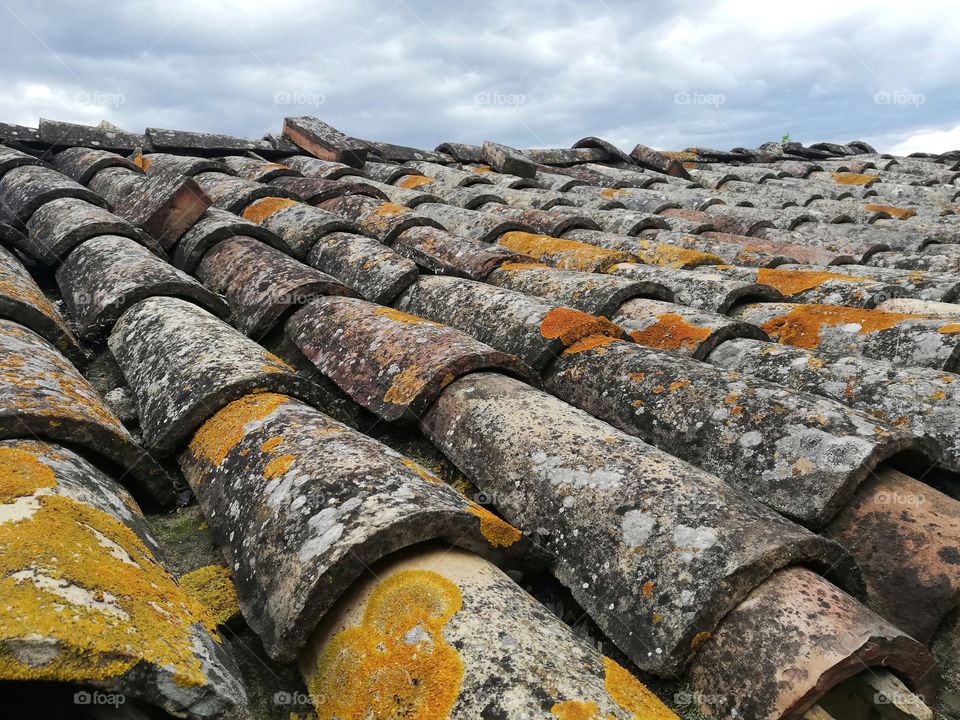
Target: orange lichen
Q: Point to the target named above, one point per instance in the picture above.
(850, 178)
(395, 664)
(891, 210)
(674, 256)
(676, 385)
(274, 166)
(141, 162)
(497, 532)
(522, 266)
(589, 343)
(271, 444)
(402, 317)
(671, 332)
(610, 193)
(570, 326)
(275, 364)
(447, 379)
(278, 466)
(637, 376)
(22, 473)
(632, 695)
(406, 385)
(647, 589)
(482, 169)
(260, 210)
(83, 586)
(220, 434)
(563, 254)
(685, 155)
(421, 471)
(949, 328)
(800, 327)
(212, 586)
(388, 209)
(699, 639)
(414, 181)
(791, 282)
(576, 710)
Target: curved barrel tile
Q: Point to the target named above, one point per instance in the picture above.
(820, 286)
(901, 338)
(298, 225)
(594, 293)
(25, 188)
(22, 300)
(261, 284)
(85, 598)
(108, 274)
(655, 550)
(920, 284)
(922, 400)
(11, 158)
(383, 220)
(545, 222)
(314, 191)
(793, 638)
(392, 363)
(61, 225)
(444, 253)
(303, 505)
(679, 328)
(42, 394)
(234, 194)
(115, 184)
(81, 163)
(327, 169)
(183, 364)
(483, 649)
(212, 227)
(250, 168)
(165, 205)
(470, 224)
(563, 254)
(369, 267)
(535, 331)
(800, 454)
(160, 163)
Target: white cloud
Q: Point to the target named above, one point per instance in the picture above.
(935, 141)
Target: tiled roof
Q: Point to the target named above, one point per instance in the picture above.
(317, 424)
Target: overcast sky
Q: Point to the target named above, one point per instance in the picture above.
(529, 74)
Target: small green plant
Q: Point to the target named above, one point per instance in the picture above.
(785, 139)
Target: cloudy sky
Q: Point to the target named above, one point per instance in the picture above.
(529, 74)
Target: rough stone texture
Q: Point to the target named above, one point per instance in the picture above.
(905, 536)
(817, 285)
(835, 330)
(623, 222)
(183, 365)
(369, 267)
(800, 454)
(679, 328)
(250, 168)
(324, 141)
(923, 308)
(11, 158)
(469, 197)
(501, 654)
(234, 194)
(594, 293)
(107, 274)
(314, 167)
(933, 260)
(533, 330)
(212, 227)
(655, 550)
(262, 285)
(792, 639)
(22, 300)
(703, 289)
(409, 197)
(470, 224)
(86, 598)
(401, 153)
(507, 160)
(918, 284)
(461, 152)
(298, 225)
(650, 158)
(303, 505)
(383, 220)
(392, 363)
(43, 395)
(444, 253)
(448, 174)
(165, 206)
(314, 191)
(204, 143)
(159, 163)
(922, 400)
(114, 184)
(81, 164)
(61, 225)
(25, 188)
(388, 173)
(655, 247)
(739, 249)
(564, 254)
(944, 648)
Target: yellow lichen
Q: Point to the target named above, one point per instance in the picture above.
(949, 328)
(271, 444)
(791, 282)
(482, 169)
(260, 210)
(278, 466)
(671, 332)
(850, 178)
(77, 575)
(896, 212)
(563, 254)
(632, 695)
(220, 434)
(22, 473)
(395, 664)
(402, 317)
(576, 710)
(514, 266)
(388, 209)
(800, 326)
(406, 385)
(610, 193)
(421, 471)
(674, 256)
(212, 587)
(497, 532)
(699, 639)
(414, 181)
